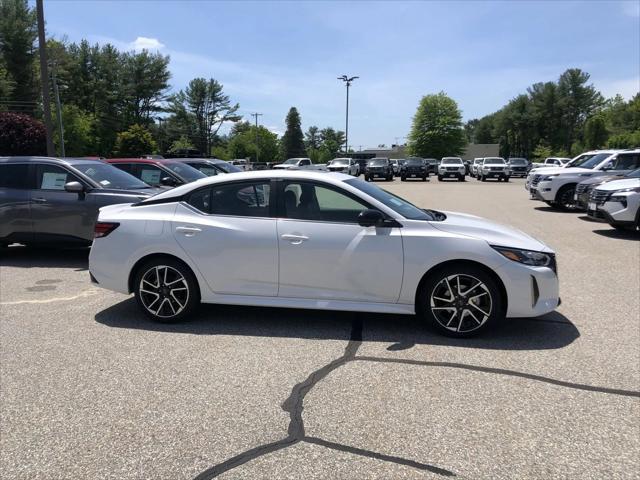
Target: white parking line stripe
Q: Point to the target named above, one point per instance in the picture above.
(86, 293)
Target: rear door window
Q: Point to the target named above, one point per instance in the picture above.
(245, 199)
(14, 175)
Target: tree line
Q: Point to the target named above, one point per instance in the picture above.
(120, 103)
(562, 118)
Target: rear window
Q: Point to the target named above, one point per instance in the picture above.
(14, 175)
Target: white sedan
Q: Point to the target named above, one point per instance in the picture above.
(323, 241)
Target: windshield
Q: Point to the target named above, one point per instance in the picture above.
(451, 161)
(184, 171)
(414, 161)
(227, 167)
(518, 161)
(291, 161)
(397, 204)
(590, 161)
(377, 162)
(493, 160)
(109, 176)
(339, 161)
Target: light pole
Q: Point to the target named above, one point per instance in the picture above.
(347, 81)
(58, 109)
(44, 78)
(256, 115)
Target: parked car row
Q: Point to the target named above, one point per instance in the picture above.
(56, 200)
(604, 183)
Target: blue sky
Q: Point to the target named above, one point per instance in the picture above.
(274, 55)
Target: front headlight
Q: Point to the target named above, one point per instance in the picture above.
(528, 257)
(546, 178)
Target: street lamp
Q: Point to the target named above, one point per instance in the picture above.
(347, 81)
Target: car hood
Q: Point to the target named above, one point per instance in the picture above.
(494, 165)
(568, 171)
(547, 170)
(601, 179)
(620, 184)
(491, 232)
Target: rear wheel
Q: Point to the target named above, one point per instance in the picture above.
(460, 301)
(166, 290)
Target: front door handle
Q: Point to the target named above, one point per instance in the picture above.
(188, 231)
(39, 200)
(294, 239)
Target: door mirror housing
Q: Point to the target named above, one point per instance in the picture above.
(608, 166)
(74, 187)
(371, 218)
(168, 182)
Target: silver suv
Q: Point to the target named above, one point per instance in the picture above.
(52, 200)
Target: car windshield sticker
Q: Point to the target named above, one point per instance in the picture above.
(105, 182)
(53, 180)
(150, 176)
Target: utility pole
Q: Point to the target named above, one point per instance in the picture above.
(58, 109)
(44, 78)
(256, 115)
(347, 80)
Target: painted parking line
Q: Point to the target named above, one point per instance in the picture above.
(86, 293)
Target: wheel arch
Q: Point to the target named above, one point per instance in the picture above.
(563, 188)
(141, 261)
(489, 271)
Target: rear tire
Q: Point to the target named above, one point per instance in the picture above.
(166, 290)
(464, 310)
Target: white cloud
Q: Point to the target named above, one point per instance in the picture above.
(146, 43)
(631, 8)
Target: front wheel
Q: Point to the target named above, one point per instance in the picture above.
(483, 178)
(166, 290)
(461, 179)
(460, 301)
(564, 198)
(424, 179)
(439, 178)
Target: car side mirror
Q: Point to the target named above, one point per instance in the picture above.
(168, 182)
(608, 166)
(74, 187)
(370, 218)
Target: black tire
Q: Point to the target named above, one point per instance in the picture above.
(483, 178)
(439, 178)
(506, 179)
(435, 312)
(462, 179)
(366, 178)
(424, 179)
(403, 179)
(170, 296)
(564, 198)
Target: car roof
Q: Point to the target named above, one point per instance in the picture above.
(52, 160)
(327, 177)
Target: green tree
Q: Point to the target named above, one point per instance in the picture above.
(134, 142)
(79, 133)
(624, 140)
(292, 143)
(541, 151)
(243, 144)
(21, 134)
(183, 143)
(6, 85)
(18, 32)
(331, 142)
(312, 138)
(595, 132)
(437, 128)
(202, 108)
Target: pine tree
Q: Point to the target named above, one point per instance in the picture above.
(292, 142)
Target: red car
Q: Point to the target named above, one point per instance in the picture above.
(158, 172)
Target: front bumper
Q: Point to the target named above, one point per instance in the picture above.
(544, 191)
(531, 291)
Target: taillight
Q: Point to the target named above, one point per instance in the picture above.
(102, 229)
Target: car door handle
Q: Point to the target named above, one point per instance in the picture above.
(39, 200)
(294, 239)
(188, 231)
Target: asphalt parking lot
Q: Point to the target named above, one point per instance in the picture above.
(91, 389)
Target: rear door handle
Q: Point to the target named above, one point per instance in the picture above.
(39, 200)
(294, 239)
(188, 231)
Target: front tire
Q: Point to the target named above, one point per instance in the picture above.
(439, 178)
(460, 300)
(564, 198)
(166, 290)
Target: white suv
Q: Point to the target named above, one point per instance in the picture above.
(451, 167)
(493, 167)
(617, 202)
(557, 187)
(294, 162)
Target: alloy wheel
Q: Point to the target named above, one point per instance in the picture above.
(461, 303)
(566, 199)
(164, 292)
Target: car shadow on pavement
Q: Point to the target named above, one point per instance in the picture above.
(551, 331)
(553, 210)
(620, 234)
(30, 257)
